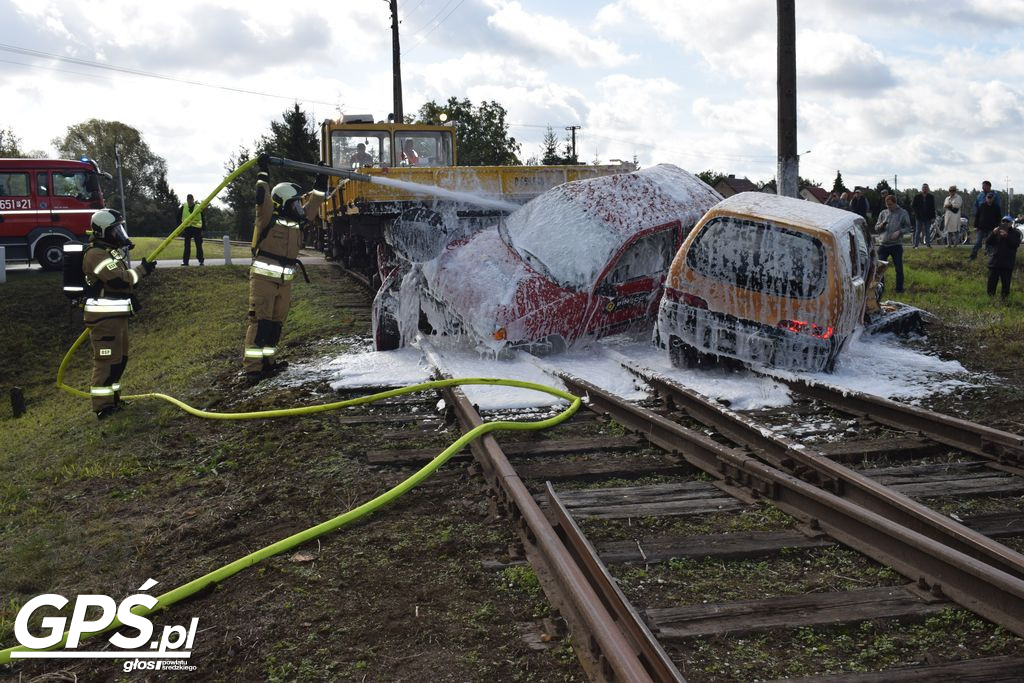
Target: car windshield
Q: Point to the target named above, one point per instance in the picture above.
(759, 257)
(560, 240)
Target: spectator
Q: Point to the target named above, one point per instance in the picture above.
(951, 217)
(832, 200)
(844, 201)
(1003, 243)
(986, 187)
(923, 207)
(892, 222)
(986, 219)
(859, 204)
(360, 158)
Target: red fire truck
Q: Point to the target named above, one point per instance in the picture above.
(45, 203)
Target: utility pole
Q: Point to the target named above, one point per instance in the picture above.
(120, 181)
(396, 63)
(789, 161)
(572, 130)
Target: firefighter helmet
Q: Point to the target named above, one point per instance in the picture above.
(108, 226)
(284, 193)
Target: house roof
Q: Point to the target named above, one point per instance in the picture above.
(819, 193)
(738, 184)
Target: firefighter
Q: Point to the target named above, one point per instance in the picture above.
(108, 305)
(276, 239)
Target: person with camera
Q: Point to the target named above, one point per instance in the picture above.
(1003, 243)
(892, 222)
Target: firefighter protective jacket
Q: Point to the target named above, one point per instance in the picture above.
(276, 240)
(107, 272)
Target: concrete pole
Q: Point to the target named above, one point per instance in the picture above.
(3, 265)
(789, 161)
(227, 250)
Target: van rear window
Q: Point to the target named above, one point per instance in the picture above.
(759, 257)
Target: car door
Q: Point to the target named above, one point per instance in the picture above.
(631, 285)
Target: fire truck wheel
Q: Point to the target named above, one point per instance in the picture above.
(49, 253)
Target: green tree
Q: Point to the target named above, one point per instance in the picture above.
(240, 195)
(482, 132)
(837, 184)
(10, 144)
(141, 169)
(710, 177)
(550, 155)
(293, 137)
(570, 158)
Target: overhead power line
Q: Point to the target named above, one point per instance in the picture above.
(148, 74)
(423, 38)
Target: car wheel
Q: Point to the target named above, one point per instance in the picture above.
(50, 254)
(388, 336)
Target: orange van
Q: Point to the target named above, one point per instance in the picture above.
(766, 280)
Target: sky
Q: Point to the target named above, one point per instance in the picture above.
(907, 90)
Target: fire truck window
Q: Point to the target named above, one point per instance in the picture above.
(43, 184)
(70, 185)
(14, 185)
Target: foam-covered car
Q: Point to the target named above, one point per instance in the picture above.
(583, 260)
(767, 280)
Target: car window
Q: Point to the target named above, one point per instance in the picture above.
(14, 185)
(759, 257)
(863, 255)
(647, 257)
(70, 184)
(43, 184)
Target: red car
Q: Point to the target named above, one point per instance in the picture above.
(583, 260)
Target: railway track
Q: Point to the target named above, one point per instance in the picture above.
(672, 464)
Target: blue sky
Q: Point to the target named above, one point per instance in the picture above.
(931, 91)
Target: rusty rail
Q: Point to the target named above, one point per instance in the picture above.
(606, 649)
(815, 468)
(974, 585)
(1004, 448)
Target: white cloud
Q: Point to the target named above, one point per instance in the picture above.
(555, 37)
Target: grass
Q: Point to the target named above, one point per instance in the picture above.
(944, 282)
(212, 248)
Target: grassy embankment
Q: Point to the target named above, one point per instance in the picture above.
(944, 282)
(99, 507)
(212, 248)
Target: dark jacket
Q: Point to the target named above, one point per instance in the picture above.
(923, 206)
(987, 217)
(1004, 248)
(859, 205)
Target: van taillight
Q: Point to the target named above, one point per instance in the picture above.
(802, 327)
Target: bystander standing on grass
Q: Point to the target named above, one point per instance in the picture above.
(1002, 243)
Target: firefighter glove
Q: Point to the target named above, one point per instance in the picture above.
(263, 161)
(148, 266)
(320, 184)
